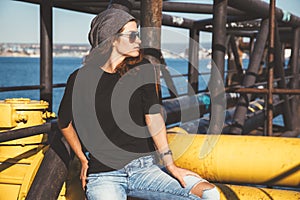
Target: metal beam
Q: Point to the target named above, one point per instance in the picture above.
(260, 8)
(250, 78)
(295, 81)
(271, 63)
(216, 82)
(151, 33)
(46, 48)
(193, 64)
(279, 72)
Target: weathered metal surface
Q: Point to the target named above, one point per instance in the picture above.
(46, 59)
(295, 81)
(261, 9)
(250, 77)
(193, 65)
(255, 162)
(235, 192)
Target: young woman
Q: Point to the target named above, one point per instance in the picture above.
(118, 151)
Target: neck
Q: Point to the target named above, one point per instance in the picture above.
(112, 63)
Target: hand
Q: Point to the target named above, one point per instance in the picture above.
(83, 172)
(180, 173)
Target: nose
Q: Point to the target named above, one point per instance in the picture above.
(138, 40)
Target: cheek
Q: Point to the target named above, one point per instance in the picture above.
(128, 49)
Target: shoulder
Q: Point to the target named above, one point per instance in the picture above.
(73, 75)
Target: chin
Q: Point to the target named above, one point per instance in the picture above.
(133, 54)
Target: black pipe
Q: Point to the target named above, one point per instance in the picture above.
(46, 48)
(182, 109)
(253, 120)
(295, 81)
(250, 78)
(25, 132)
(179, 22)
(219, 34)
(235, 52)
(193, 64)
(256, 119)
(260, 8)
(279, 72)
(98, 6)
(242, 33)
(53, 170)
(24, 87)
(197, 8)
(216, 82)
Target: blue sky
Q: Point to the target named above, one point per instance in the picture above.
(19, 22)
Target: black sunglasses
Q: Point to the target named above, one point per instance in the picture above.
(132, 35)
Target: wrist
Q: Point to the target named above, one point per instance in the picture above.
(166, 153)
(167, 157)
(83, 159)
(171, 166)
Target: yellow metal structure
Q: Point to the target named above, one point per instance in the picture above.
(21, 158)
(239, 159)
(234, 192)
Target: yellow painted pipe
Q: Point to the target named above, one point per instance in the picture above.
(235, 192)
(239, 159)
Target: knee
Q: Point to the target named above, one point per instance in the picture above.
(211, 194)
(206, 191)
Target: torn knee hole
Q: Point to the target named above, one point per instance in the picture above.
(199, 188)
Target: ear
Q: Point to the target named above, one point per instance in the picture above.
(115, 42)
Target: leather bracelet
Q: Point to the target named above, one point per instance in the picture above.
(169, 152)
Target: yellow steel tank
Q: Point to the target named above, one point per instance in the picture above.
(20, 158)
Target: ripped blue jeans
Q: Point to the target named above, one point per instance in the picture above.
(142, 178)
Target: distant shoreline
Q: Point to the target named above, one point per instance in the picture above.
(20, 55)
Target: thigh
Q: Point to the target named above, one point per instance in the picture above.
(104, 186)
(153, 183)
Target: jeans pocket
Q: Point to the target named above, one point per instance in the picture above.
(90, 180)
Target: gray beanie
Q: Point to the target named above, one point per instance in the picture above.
(107, 24)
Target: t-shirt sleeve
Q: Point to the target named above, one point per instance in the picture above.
(65, 108)
(150, 97)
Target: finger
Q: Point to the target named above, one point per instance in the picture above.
(83, 178)
(182, 182)
(83, 183)
(194, 174)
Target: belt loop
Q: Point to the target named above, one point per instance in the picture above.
(141, 161)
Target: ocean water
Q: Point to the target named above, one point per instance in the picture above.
(19, 71)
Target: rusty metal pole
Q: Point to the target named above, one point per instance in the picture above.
(271, 67)
(295, 81)
(46, 47)
(193, 61)
(151, 20)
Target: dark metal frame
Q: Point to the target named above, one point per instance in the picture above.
(245, 13)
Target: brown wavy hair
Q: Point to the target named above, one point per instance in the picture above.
(128, 62)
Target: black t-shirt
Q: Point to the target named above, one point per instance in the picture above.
(134, 95)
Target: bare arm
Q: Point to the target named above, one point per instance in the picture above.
(70, 134)
(157, 129)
